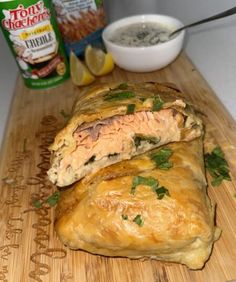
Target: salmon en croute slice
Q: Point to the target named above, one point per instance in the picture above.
(139, 208)
(113, 122)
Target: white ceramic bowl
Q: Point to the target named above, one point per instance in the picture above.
(144, 59)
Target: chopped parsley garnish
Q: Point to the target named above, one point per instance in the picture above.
(138, 220)
(130, 109)
(116, 96)
(51, 200)
(161, 192)
(151, 182)
(140, 180)
(217, 166)
(157, 104)
(161, 158)
(138, 138)
(37, 204)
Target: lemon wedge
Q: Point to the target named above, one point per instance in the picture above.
(98, 62)
(80, 74)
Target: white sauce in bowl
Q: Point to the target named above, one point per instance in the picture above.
(141, 34)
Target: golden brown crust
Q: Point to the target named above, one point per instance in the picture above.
(92, 106)
(178, 228)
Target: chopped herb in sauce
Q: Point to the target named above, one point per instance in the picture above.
(161, 158)
(141, 34)
(161, 192)
(140, 180)
(157, 104)
(138, 138)
(138, 220)
(217, 166)
(116, 96)
(130, 109)
(124, 216)
(91, 160)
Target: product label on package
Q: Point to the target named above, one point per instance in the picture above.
(79, 19)
(30, 32)
(67, 10)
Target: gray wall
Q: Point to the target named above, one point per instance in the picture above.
(121, 8)
(212, 47)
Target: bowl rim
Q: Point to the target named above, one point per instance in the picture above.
(136, 18)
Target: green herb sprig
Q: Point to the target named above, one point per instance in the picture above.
(130, 109)
(51, 200)
(151, 182)
(138, 220)
(161, 158)
(217, 166)
(161, 192)
(140, 180)
(157, 104)
(117, 96)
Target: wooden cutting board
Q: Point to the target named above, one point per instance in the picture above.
(29, 249)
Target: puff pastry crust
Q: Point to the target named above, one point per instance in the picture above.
(113, 122)
(98, 214)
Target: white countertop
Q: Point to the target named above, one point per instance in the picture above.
(211, 49)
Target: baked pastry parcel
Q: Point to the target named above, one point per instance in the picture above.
(114, 122)
(154, 205)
